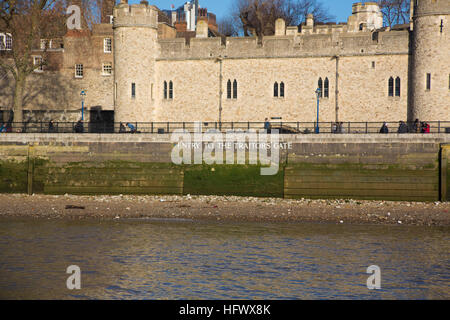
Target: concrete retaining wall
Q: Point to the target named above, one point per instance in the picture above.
(394, 167)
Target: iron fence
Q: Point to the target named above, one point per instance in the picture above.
(224, 127)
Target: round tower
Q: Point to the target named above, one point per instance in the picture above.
(135, 50)
(429, 89)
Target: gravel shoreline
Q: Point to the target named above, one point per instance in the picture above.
(229, 208)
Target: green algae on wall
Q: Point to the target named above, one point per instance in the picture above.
(13, 176)
(112, 177)
(238, 180)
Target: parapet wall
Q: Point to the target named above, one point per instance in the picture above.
(328, 43)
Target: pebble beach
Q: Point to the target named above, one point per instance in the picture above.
(224, 208)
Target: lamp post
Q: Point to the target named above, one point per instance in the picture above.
(318, 92)
(220, 60)
(83, 95)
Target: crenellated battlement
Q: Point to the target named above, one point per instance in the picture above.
(135, 15)
(427, 7)
(322, 41)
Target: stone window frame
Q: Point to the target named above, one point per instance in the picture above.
(165, 93)
(8, 41)
(39, 68)
(235, 90)
(428, 82)
(391, 86)
(107, 45)
(107, 69)
(398, 87)
(229, 89)
(326, 88)
(282, 90)
(168, 90)
(79, 70)
(46, 44)
(320, 86)
(171, 91)
(5, 42)
(133, 90)
(279, 90)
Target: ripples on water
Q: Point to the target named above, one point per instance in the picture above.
(192, 260)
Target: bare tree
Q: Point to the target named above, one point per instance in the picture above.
(227, 27)
(28, 21)
(305, 7)
(395, 11)
(258, 16)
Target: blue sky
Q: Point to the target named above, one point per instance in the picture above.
(341, 9)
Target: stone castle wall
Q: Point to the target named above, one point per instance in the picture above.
(430, 47)
(145, 53)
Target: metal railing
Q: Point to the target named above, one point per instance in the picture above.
(170, 127)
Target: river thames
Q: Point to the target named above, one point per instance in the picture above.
(181, 259)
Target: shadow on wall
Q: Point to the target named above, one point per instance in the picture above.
(44, 94)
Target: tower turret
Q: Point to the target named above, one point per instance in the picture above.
(429, 91)
(135, 50)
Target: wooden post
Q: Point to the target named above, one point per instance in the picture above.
(444, 163)
(30, 170)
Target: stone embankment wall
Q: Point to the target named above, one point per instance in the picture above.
(394, 167)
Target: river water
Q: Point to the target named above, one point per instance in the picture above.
(157, 259)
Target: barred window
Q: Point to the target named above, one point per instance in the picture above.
(326, 91)
(282, 90)
(170, 90)
(397, 87)
(107, 68)
(235, 89)
(2, 42)
(107, 45)
(78, 71)
(275, 89)
(229, 89)
(391, 87)
(37, 61)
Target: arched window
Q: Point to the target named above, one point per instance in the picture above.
(275, 90)
(320, 84)
(391, 87)
(229, 89)
(235, 89)
(397, 87)
(282, 89)
(170, 90)
(165, 89)
(326, 88)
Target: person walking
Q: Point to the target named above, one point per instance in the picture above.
(416, 126)
(384, 128)
(51, 127)
(79, 127)
(402, 128)
(267, 125)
